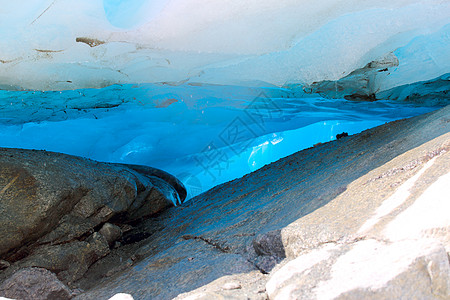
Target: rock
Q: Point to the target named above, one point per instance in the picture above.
(360, 85)
(341, 135)
(52, 202)
(123, 266)
(70, 260)
(76, 292)
(34, 283)
(111, 233)
(367, 269)
(266, 263)
(269, 244)
(245, 286)
(4, 264)
(334, 207)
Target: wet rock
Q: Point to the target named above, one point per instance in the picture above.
(35, 283)
(266, 263)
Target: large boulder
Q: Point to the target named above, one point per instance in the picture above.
(51, 204)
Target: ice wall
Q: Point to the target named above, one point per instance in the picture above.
(63, 44)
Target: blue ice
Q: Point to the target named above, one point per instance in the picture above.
(205, 135)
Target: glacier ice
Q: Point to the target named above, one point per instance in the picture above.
(187, 130)
(212, 90)
(62, 44)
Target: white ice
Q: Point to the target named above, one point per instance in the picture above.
(217, 41)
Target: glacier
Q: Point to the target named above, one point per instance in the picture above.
(59, 44)
(205, 135)
(213, 90)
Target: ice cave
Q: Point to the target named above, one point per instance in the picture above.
(210, 91)
(269, 112)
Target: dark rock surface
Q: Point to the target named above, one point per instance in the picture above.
(316, 200)
(35, 283)
(52, 205)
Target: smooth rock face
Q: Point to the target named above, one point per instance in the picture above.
(336, 213)
(34, 283)
(51, 204)
(367, 269)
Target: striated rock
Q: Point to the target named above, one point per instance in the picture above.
(51, 203)
(34, 283)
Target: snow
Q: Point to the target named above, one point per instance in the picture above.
(222, 42)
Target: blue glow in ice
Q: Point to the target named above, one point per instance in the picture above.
(131, 13)
(205, 135)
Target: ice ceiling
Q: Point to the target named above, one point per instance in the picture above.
(64, 44)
